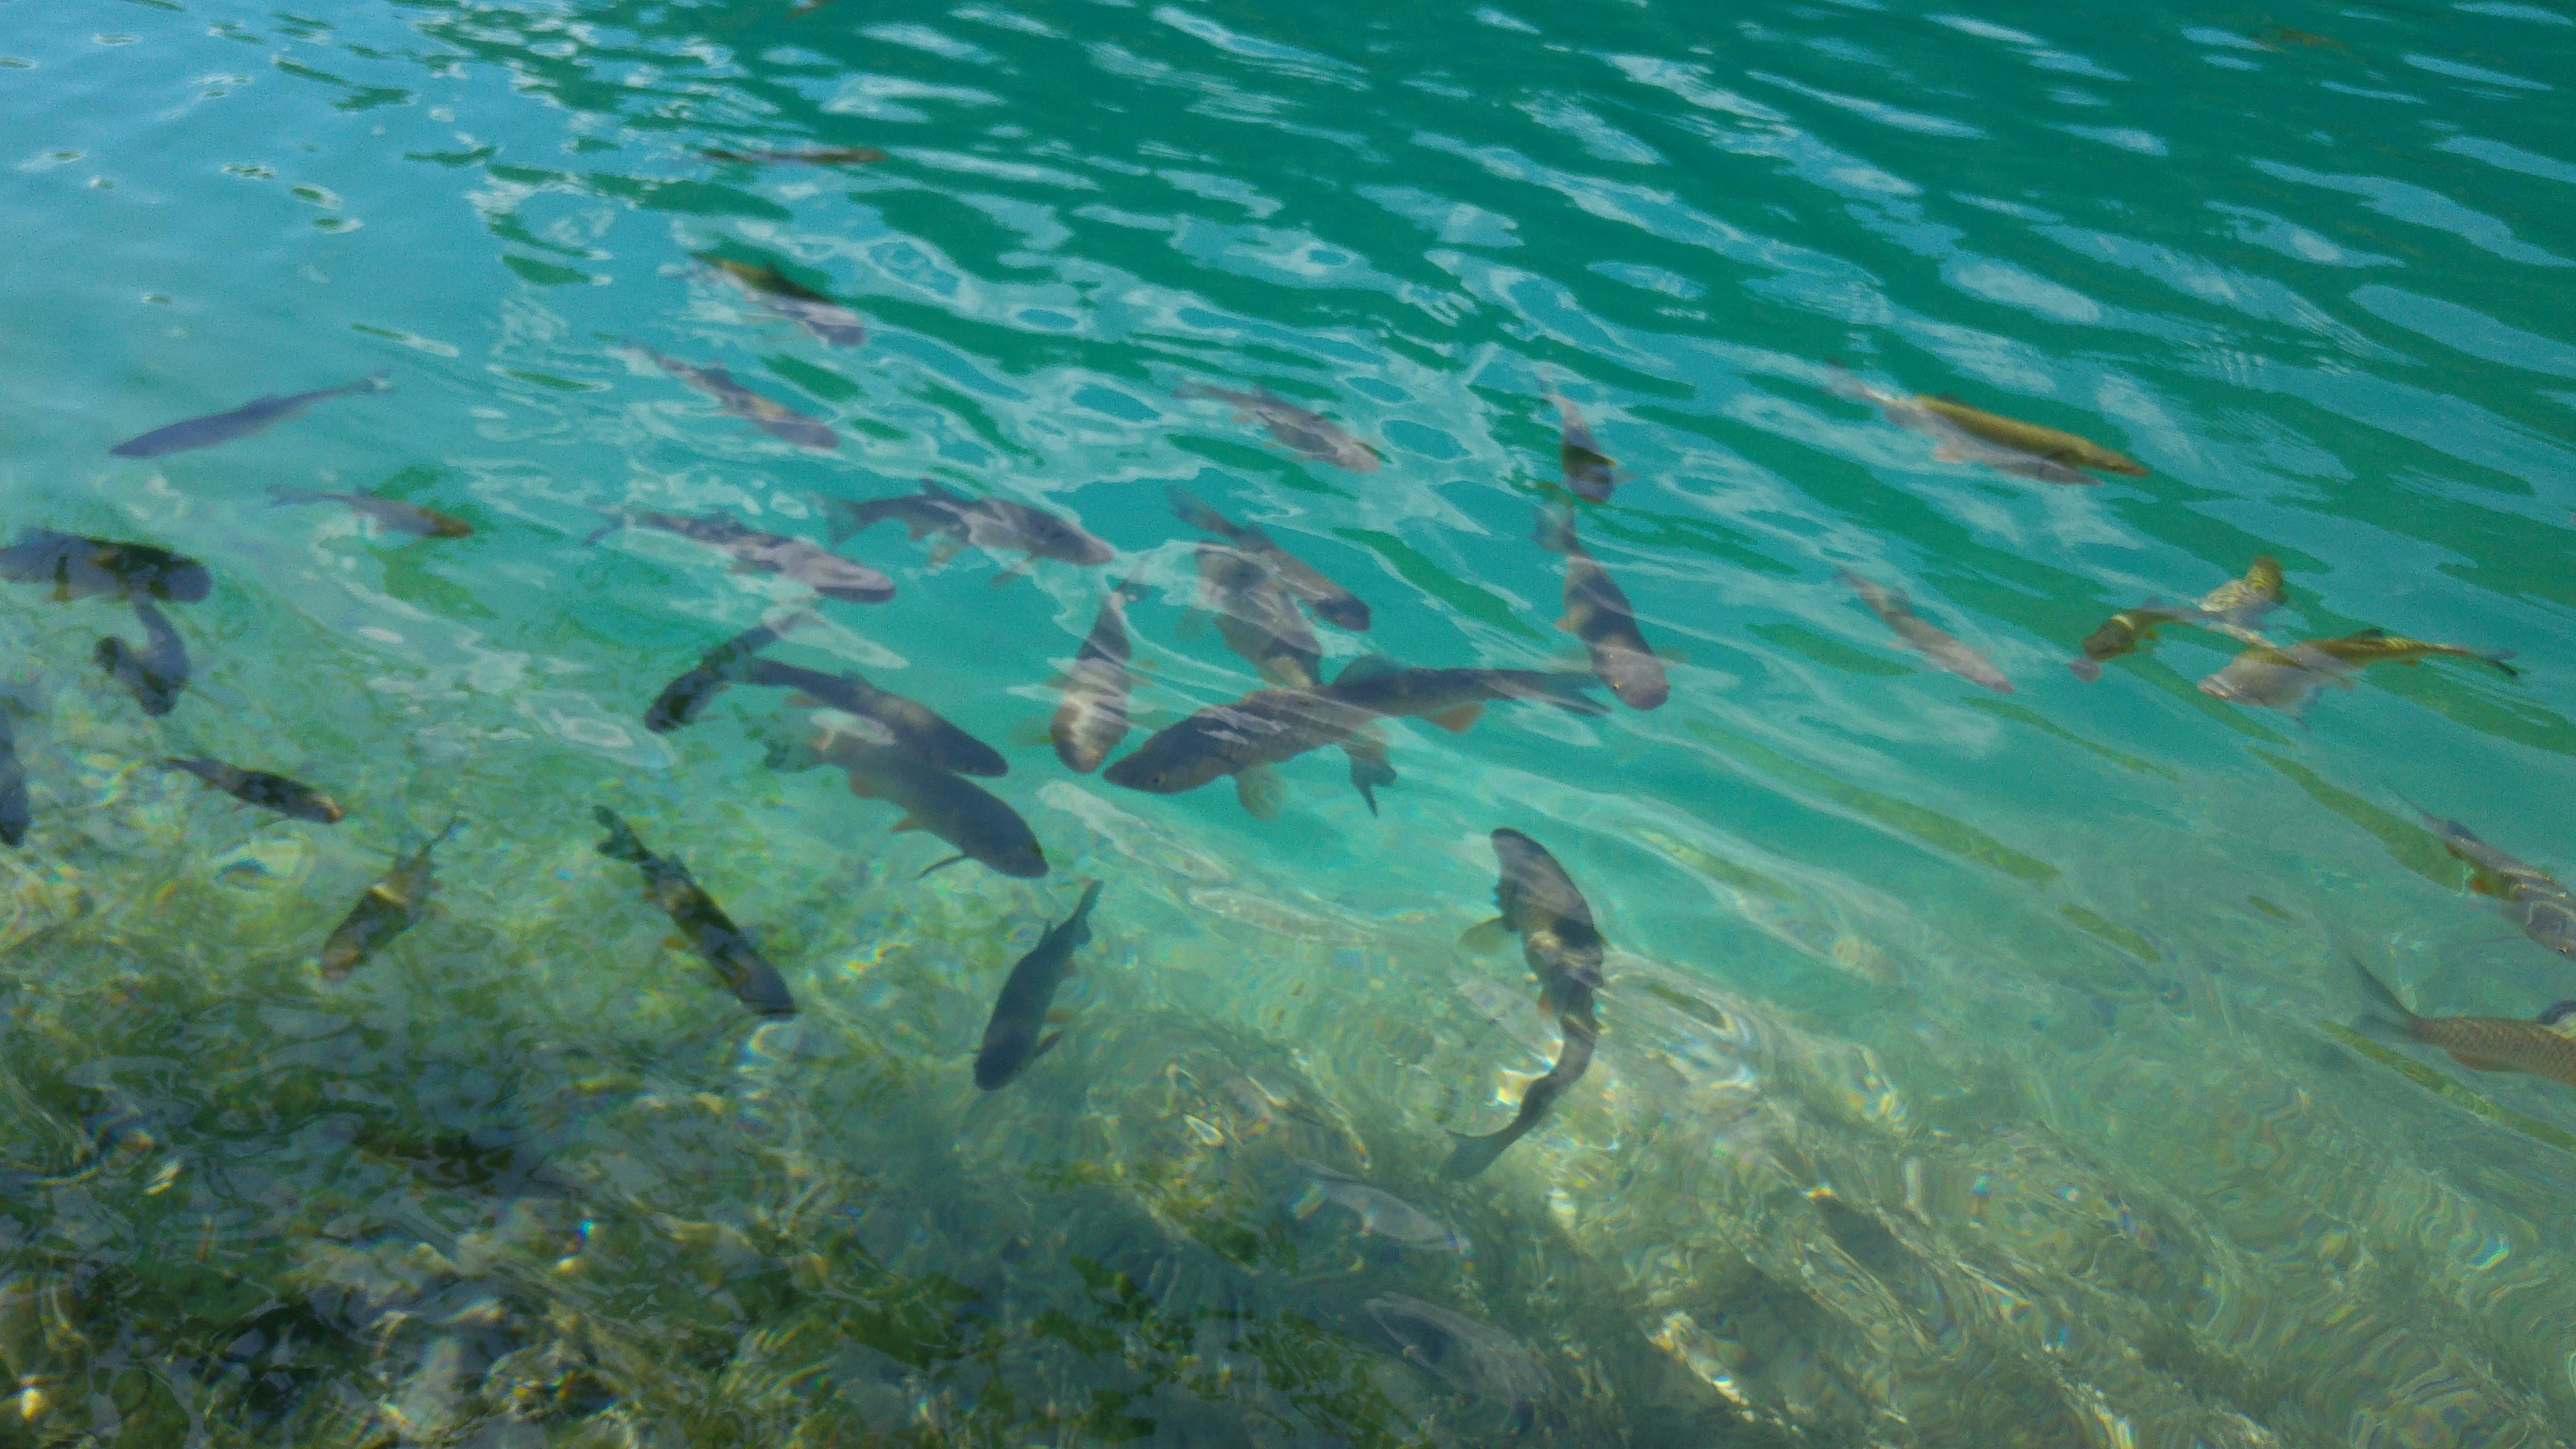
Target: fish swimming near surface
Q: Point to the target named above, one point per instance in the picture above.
(1589, 472)
(1257, 617)
(1453, 699)
(1330, 602)
(907, 724)
(776, 419)
(1896, 611)
(726, 946)
(153, 674)
(2234, 608)
(820, 156)
(1540, 904)
(996, 525)
(2480, 1043)
(1092, 717)
(1597, 613)
(16, 811)
(1308, 432)
(820, 316)
(258, 787)
(685, 698)
(810, 564)
(255, 416)
(389, 908)
(2530, 897)
(1017, 1033)
(2288, 678)
(80, 567)
(979, 825)
(2008, 445)
(390, 513)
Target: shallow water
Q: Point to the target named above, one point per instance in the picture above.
(1975, 1070)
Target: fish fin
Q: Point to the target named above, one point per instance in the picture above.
(1565, 623)
(1025, 565)
(1258, 789)
(615, 522)
(860, 787)
(906, 823)
(2551, 1016)
(1196, 514)
(1458, 721)
(2385, 1000)
(1369, 769)
(1045, 1044)
(1288, 673)
(1487, 937)
(2498, 658)
(941, 865)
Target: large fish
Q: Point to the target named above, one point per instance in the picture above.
(1330, 602)
(1597, 613)
(906, 723)
(726, 947)
(1541, 904)
(81, 567)
(685, 698)
(1092, 718)
(1017, 1035)
(776, 419)
(2235, 608)
(251, 417)
(260, 788)
(2482, 1043)
(390, 513)
(810, 564)
(16, 812)
(981, 827)
(2530, 897)
(2287, 679)
(1454, 698)
(153, 674)
(819, 315)
(1257, 617)
(1589, 472)
(820, 156)
(1964, 434)
(1897, 613)
(1310, 433)
(996, 525)
(388, 909)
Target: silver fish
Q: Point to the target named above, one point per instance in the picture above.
(1309, 432)
(1380, 1214)
(776, 419)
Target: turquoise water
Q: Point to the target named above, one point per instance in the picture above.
(1975, 1069)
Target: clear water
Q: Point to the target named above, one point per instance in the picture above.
(1975, 1069)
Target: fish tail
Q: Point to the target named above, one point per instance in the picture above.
(843, 518)
(1469, 1156)
(1556, 529)
(1196, 514)
(622, 843)
(2497, 657)
(2390, 1011)
(1571, 692)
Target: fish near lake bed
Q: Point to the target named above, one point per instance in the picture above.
(79, 567)
(153, 674)
(2529, 896)
(1016, 1034)
(1302, 429)
(1540, 904)
(1896, 611)
(263, 789)
(685, 698)
(1376, 1212)
(907, 723)
(1092, 717)
(255, 416)
(1598, 613)
(708, 930)
(977, 823)
(390, 907)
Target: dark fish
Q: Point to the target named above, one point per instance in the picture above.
(810, 564)
(390, 513)
(2531, 897)
(15, 811)
(389, 908)
(1454, 698)
(1541, 905)
(710, 931)
(824, 156)
(1093, 716)
(953, 809)
(260, 788)
(2481, 1043)
(906, 723)
(1472, 1358)
(685, 698)
(1310, 433)
(81, 567)
(154, 674)
(251, 417)
(776, 419)
(1589, 472)
(819, 315)
(1012, 1038)
(1330, 602)
(1897, 613)
(996, 525)
(1257, 617)
(1597, 613)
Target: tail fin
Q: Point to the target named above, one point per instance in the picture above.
(1369, 769)
(2497, 658)
(2389, 1014)
(1196, 514)
(621, 843)
(1556, 530)
(843, 517)
(1469, 1156)
(1571, 692)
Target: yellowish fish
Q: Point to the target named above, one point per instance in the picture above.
(2233, 609)
(2484, 1043)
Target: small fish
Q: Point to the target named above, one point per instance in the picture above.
(1597, 613)
(2243, 602)
(2531, 898)
(1330, 602)
(827, 320)
(81, 567)
(996, 525)
(812, 565)
(980, 826)
(685, 698)
(822, 156)
(2233, 608)
(2288, 679)
(1897, 612)
(1092, 718)
(154, 674)
(1310, 433)
(726, 947)
(907, 724)
(16, 812)
(1541, 904)
(389, 908)
(251, 417)
(2281, 35)
(2007, 445)
(776, 419)
(1257, 617)
(1011, 1038)
(390, 513)
(1381, 1214)
(1470, 1357)
(2480, 1043)
(1589, 472)
(260, 788)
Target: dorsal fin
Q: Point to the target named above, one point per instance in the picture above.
(1366, 667)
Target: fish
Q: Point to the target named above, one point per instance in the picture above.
(1470, 1357)
(685, 698)
(823, 156)
(1012, 1038)
(1092, 718)
(2480, 1043)
(820, 316)
(255, 416)
(1597, 613)
(1329, 601)
(1307, 432)
(2288, 679)
(2531, 898)
(154, 674)
(980, 826)
(80, 567)
(1257, 617)
(907, 724)
(1540, 904)
(1453, 699)
(16, 811)
(390, 513)
(996, 525)
(712, 933)
(258, 787)
(1380, 1214)
(390, 907)
(810, 564)
(1897, 613)
(2233, 608)
(2008, 445)
(2243, 602)
(776, 419)
(1589, 472)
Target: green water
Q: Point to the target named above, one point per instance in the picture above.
(1974, 1071)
